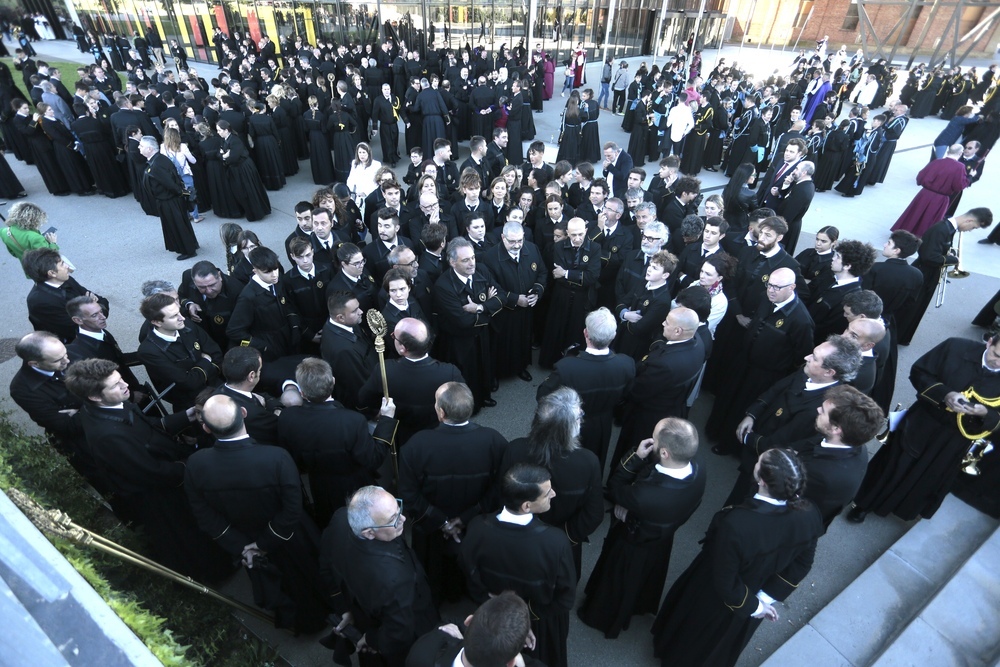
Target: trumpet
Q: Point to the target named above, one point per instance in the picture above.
(957, 271)
(970, 464)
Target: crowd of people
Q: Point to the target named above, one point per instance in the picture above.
(637, 298)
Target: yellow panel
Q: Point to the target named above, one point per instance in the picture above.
(181, 10)
(266, 14)
(206, 20)
(307, 14)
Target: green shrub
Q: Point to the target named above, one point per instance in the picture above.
(179, 626)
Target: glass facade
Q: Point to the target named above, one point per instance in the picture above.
(558, 25)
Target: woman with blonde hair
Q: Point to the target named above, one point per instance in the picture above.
(511, 174)
(182, 158)
(499, 198)
(22, 231)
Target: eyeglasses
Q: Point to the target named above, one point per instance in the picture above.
(775, 288)
(395, 520)
(651, 239)
(408, 264)
(358, 264)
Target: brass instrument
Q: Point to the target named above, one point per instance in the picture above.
(942, 287)
(957, 271)
(378, 325)
(970, 464)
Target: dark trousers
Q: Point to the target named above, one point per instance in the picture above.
(618, 105)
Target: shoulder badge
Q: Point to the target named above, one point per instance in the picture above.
(482, 296)
(319, 284)
(614, 248)
(779, 412)
(534, 266)
(779, 323)
(764, 277)
(218, 319)
(586, 258)
(282, 301)
(646, 302)
(197, 345)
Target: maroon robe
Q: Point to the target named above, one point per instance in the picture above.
(939, 180)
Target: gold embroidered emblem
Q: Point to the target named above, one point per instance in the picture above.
(763, 279)
(370, 279)
(586, 258)
(282, 301)
(646, 302)
(197, 345)
(614, 248)
(482, 296)
(218, 319)
(819, 300)
(534, 266)
(319, 284)
(779, 323)
(778, 413)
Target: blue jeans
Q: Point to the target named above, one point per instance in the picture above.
(193, 197)
(568, 84)
(605, 91)
(939, 151)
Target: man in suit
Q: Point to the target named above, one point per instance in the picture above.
(615, 241)
(678, 204)
(770, 185)
(868, 334)
(181, 360)
(445, 478)
(496, 152)
(617, 165)
(241, 368)
(207, 297)
(934, 255)
(247, 496)
(377, 252)
(597, 198)
(94, 340)
(39, 388)
(521, 276)
(797, 192)
(346, 348)
(851, 260)
(54, 287)
(495, 634)
(466, 299)
(663, 380)
(599, 376)
(786, 412)
(772, 345)
(331, 443)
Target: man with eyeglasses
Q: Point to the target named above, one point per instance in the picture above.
(352, 276)
(632, 274)
(402, 257)
(776, 339)
(521, 275)
(373, 579)
(430, 212)
(615, 242)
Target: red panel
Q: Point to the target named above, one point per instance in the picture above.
(195, 30)
(254, 25)
(220, 18)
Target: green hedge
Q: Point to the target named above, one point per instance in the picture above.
(179, 626)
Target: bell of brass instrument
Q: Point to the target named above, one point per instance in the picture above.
(957, 271)
(970, 464)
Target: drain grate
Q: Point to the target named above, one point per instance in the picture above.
(7, 348)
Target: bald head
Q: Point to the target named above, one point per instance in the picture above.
(223, 418)
(680, 325)
(428, 198)
(955, 150)
(867, 333)
(412, 338)
(782, 276)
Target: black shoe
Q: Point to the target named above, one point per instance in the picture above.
(711, 169)
(525, 375)
(495, 385)
(489, 403)
(719, 450)
(181, 258)
(986, 242)
(856, 515)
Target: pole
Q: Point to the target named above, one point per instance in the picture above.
(746, 28)
(532, 13)
(659, 31)
(377, 323)
(607, 29)
(799, 38)
(697, 25)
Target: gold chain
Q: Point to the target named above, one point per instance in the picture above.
(972, 394)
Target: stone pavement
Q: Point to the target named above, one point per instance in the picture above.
(115, 247)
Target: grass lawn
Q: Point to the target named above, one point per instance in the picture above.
(67, 69)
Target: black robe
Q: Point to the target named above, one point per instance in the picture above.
(242, 493)
(512, 327)
(536, 562)
(910, 475)
(515, 148)
(100, 157)
(166, 188)
(266, 320)
(631, 571)
(572, 297)
(341, 127)
(267, 151)
(71, 163)
(178, 369)
(44, 155)
(706, 617)
(242, 179)
(320, 161)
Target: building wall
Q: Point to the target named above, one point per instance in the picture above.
(781, 22)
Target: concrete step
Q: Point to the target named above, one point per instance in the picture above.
(861, 625)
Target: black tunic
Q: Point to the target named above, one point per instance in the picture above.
(71, 163)
(910, 475)
(512, 326)
(632, 568)
(572, 297)
(181, 365)
(341, 127)
(706, 617)
(47, 308)
(100, 156)
(320, 161)
(242, 179)
(44, 155)
(267, 151)
(242, 493)
(166, 188)
(536, 562)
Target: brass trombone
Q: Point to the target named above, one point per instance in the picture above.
(957, 271)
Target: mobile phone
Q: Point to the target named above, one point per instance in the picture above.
(50, 230)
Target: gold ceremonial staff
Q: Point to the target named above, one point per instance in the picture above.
(58, 523)
(378, 325)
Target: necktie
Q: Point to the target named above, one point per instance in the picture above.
(781, 172)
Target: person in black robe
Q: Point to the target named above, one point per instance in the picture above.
(10, 186)
(241, 175)
(320, 159)
(341, 127)
(515, 138)
(283, 123)
(503, 552)
(837, 152)
(569, 134)
(752, 555)
(693, 155)
(143, 465)
(42, 151)
(590, 132)
(655, 489)
(923, 99)
(331, 443)
(865, 158)
(578, 508)
(466, 299)
(434, 114)
(266, 149)
(521, 276)
(165, 187)
(99, 152)
(224, 201)
(643, 310)
(664, 380)
(747, 134)
(387, 111)
(910, 475)
(639, 139)
(374, 579)
(248, 498)
(264, 317)
(446, 476)
(71, 163)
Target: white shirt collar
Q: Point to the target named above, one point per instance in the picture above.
(831, 445)
(846, 281)
(398, 307)
(457, 662)
(98, 335)
(599, 353)
(813, 386)
(310, 275)
(260, 282)
(169, 339)
(785, 302)
(509, 517)
(676, 473)
(416, 360)
(772, 501)
(350, 277)
(338, 324)
(239, 391)
(991, 370)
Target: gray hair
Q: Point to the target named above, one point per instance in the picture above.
(512, 228)
(150, 142)
(636, 193)
(454, 245)
(151, 287)
(807, 167)
(555, 430)
(845, 360)
(359, 509)
(645, 206)
(601, 327)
